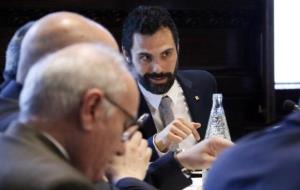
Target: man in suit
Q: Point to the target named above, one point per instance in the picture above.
(150, 44)
(11, 90)
(67, 143)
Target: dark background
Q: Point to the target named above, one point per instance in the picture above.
(233, 39)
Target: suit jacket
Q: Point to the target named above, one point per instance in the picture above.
(28, 160)
(198, 87)
(9, 106)
(264, 160)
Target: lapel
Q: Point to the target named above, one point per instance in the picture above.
(149, 128)
(194, 99)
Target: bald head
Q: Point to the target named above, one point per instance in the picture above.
(56, 31)
(65, 75)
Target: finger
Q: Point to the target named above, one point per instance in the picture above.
(195, 132)
(196, 125)
(218, 144)
(136, 138)
(182, 127)
(148, 154)
(207, 161)
(129, 132)
(191, 128)
(178, 131)
(174, 138)
(143, 146)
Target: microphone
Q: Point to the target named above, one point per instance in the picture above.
(290, 106)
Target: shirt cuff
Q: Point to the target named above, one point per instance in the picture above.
(159, 153)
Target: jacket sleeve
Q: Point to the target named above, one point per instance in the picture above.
(133, 184)
(165, 174)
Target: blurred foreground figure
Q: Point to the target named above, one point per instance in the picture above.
(263, 160)
(47, 35)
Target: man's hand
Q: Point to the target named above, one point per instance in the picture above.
(176, 132)
(201, 155)
(134, 163)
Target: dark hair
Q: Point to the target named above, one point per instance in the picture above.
(146, 20)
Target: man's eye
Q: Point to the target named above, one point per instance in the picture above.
(166, 54)
(145, 58)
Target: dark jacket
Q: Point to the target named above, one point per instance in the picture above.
(9, 106)
(268, 159)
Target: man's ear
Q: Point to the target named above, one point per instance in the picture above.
(90, 111)
(126, 55)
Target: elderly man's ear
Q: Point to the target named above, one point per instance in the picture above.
(91, 111)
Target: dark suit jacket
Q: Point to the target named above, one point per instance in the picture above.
(194, 83)
(265, 160)
(9, 107)
(28, 160)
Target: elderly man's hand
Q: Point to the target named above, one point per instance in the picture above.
(201, 155)
(175, 132)
(134, 163)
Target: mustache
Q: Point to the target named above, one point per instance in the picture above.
(158, 75)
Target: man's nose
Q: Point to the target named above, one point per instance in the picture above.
(156, 66)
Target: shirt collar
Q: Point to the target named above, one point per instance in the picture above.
(57, 145)
(154, 99)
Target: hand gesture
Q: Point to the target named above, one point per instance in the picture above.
(201, 155)
(175, 132)
(134, 163)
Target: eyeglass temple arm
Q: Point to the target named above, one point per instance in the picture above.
(142, 119)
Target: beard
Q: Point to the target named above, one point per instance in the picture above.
(157, 88)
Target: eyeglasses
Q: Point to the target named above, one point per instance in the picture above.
(132, 121)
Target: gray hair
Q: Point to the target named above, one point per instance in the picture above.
(55, 85)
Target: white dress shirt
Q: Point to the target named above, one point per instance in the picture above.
(178, 106)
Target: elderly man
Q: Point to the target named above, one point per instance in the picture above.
(47, 35)
(69, 142)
